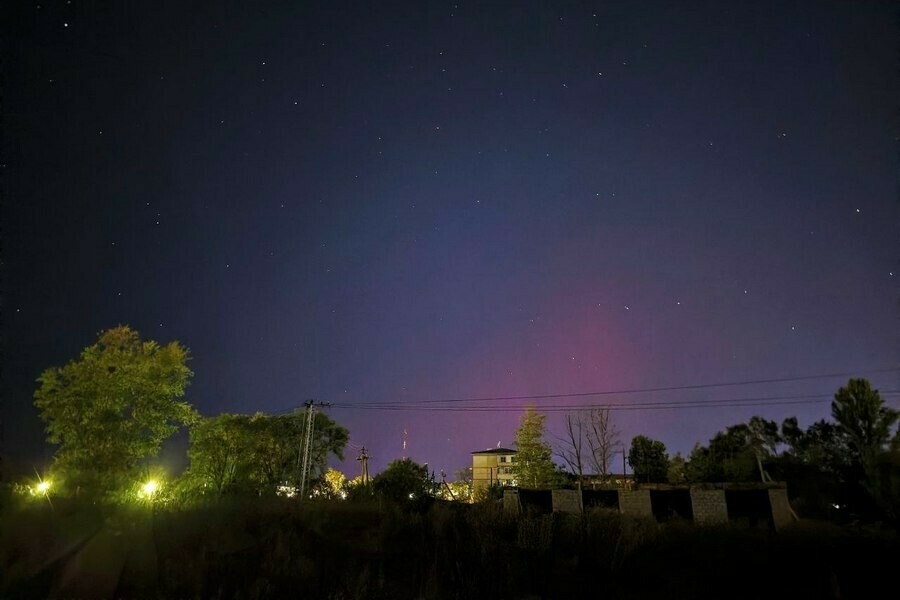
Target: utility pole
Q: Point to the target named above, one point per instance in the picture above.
(310, 422)
(363, 459)
(447, 485)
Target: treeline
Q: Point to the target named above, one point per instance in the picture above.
(847, 468)
(109, 411)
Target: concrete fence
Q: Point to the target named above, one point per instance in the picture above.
(754, 505)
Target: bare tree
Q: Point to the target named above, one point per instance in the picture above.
(572, 444)
(602, 438)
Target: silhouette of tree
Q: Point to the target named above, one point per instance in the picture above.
(863, 419)
(648, 459)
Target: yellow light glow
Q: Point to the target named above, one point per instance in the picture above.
(43, 487)
(150, 487)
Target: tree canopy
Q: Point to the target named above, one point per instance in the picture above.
(534, 463)
(863, 419)
(113, 406)
(648, 459)
(404, 480)
(235, 453)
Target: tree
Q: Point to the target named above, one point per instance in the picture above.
(863, 419)
(873, 473)
(260, 453)
(698, 465)
(648, 459)
(534, 463)
(676, 472)
(113, 407)
(763, 440)
(815, 464)
(220, 453)
(571, 450)
(279, 440)
(602, 438)
(333, 485)
(821, 446)
(736, 454)
(404, 480)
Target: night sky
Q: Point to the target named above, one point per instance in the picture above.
(407, 202)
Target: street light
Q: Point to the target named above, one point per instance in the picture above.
(149, 488)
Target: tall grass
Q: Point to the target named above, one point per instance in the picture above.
(278, 548)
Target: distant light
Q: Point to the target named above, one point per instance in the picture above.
(343, 495)
(43, 487)
(411, 496)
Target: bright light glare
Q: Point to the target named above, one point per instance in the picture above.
(43, 487)
(150, 487)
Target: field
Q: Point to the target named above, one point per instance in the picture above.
(278, 548)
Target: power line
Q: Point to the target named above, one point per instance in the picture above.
(670, 405)
(698, 386)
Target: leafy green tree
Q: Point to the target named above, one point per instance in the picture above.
(112, 407)
(534, 466)
(332, 485)
(403, 481)
(648, 459)
(698, 467)
(260, 453)
(731, 457)
(677, 471)
(737, 454)
(220, 453)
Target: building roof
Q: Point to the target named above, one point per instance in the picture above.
(496, 451)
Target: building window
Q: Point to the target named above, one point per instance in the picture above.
(503, 459)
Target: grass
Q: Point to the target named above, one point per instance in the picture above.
(277, 548)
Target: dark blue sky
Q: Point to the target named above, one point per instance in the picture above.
(414, 201)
